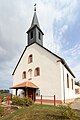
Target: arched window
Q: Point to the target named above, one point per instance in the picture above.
(31, 34)
(30, 58)
(24, 75)
(72, 84)
(39, 35)
(67, 81)
(37, 71)
(29, 74)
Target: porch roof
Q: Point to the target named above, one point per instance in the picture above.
(24, 85)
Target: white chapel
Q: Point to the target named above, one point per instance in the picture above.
(41, 72)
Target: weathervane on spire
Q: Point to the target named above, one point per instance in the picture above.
(35, 7)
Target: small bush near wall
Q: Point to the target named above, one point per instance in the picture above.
(66, 112)
(4, 99)
(16, 100)
(1, 111)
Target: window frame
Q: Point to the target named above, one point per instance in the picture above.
(30, 58)
(30, 74)
(24, 75)
(39, 35)
(77, 91)
(72, 84)
(31, 34)
(38, 92)
(37, 73)
(67, 81)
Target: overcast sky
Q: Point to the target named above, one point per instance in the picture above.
(58, 19)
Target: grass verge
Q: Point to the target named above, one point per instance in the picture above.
(40, 112)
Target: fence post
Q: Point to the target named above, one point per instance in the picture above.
(8, 99)
(0, 99)
(41, 99)
(54, 100)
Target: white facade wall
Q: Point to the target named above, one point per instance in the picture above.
(67, 93)
(50, 81)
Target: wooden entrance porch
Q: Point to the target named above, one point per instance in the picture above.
(29, 89)
(30, 92)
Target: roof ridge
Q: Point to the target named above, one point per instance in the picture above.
(62, 60)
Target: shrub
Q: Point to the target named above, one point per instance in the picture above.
(16, 100)
(4, 99)
(66, 112)
(1, 111)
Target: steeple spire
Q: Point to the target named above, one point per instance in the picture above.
(35, 34)
(35, 19)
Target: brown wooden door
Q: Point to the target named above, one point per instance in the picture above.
(31, 93)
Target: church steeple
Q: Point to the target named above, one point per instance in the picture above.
(35, 20)
(35, 34)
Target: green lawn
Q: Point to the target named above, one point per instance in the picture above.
(39, 112)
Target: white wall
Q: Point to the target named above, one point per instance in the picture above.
(67, 93)
(50, 81)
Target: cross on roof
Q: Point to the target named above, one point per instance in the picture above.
(35, 7)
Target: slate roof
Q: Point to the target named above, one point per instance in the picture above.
(35, 23)
(35, 20)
